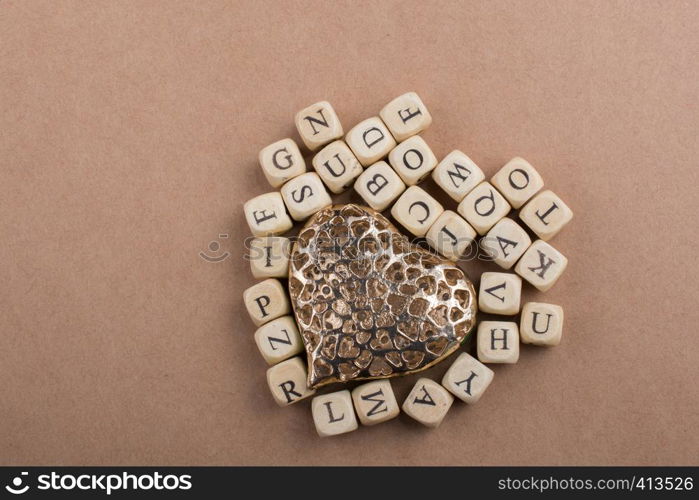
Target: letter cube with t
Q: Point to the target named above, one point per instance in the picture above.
(541, 265)
(370, 141)
(416, 210)
(269, 257)
(278, 340)
(541, 324)
(517, 181)
(287, 381)
(333, 413)
(375, 402)
(457, 175)
(413, 160)
(546, 214)
(428, 402)
(483, 207)
(266, 215)
(406, 115)
(450, 235)
(265, 301)
(500, 293)
(318, 125)
(281, 161)
(497, 342)
(337, 166)
(305, 195)
(379, 185)
(467, 378)
(506, 242)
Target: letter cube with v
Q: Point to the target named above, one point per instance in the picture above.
(287, 381)
(379, 185)
(500, 293)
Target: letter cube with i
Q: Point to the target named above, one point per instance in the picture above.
(541, 265)
(333, 413)
(287, 381)
(413, 160)
(457, 175)
(517, 181)
(416, 210)
(428, 402)
(318, 125)
(541, 324)
(546, 214)
(266, 215)
(506, 242)
(281, 161)
(370, 141)
(467, 378)
(379, 185)
(483, 207)
(500, 293)
(278, 340)
(375, 402)
(337, 166)
(450, 235)
(305, 195)
(497, 342)
(265, 301)
(405, 116)
(269, 257)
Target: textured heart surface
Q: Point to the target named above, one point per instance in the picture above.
(369, 304)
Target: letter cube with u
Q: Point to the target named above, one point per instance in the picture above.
(541, 324)
(337, 166)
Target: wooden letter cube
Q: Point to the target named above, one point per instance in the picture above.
(379, 185)
(287, 381)
(333, 413)
(498, 342)
(370, 140)
(406, 115)
(375, 402)
(337, 166)
(546, 215)
(500, 293)
(450, 235)
(265, 301)
(517, 181)
(266, 215)
(483, 207)
(413, 160)
(541, 324)
(318, 125)
(416, 210)
(305, 195)
(428, 402)
(457, 175)
(278, 340)
(281, 161)
(541, 265)
(506, 242)
(467, 378)
(269, 257)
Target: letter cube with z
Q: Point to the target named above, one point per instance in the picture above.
(406, 115)
(281, 161)
(333, 413)
(497, 342)
(266, 215)
(318, 125)
(541, 324)
(265, 301)
(370, 141)
(428, 402)
(305, 195)
(287, 381)
(278, 340)
(375, 402)
(379, 185)
(467, 378)
(541, 265)
(337, 166)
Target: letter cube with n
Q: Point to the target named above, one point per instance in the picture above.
(266, 215)
(379, 185)
(337, 166)
(370, 140)
(278, 340)
(497, 342)
(333, 413)
(375, 402)
(287, 382)
(428, 402)
(467, 378)
(541, 265)
(416, 210)
(281, 161)
(318, 125)
(541, 324)
(406, 115)
(266, 301)
(500, 293)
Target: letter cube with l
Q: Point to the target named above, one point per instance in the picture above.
(483, 207)
(305, 195)
(500, 293)
(541, 265)
(546, 214)
(281, 161)
(467, 378)
(337, 166)
(318, 125)
(450, 235)
(457, 175)
(266, 215)
(428, 402)
(541, 324)
(269, 257)
(370, 140)
(375, 402)
(497, 342)
(517, 181)
(413, 160)
(379, 185)
(266, 301)
(287, 381)
(278, 340)
(333, 413)
(406, 115)
(505, 242)
(416, 210)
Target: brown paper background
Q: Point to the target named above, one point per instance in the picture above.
(129, 135)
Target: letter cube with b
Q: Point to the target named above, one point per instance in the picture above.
(379, 185)
(467, 378)
(278, 340)
(333, 413)
(541, 324)
(405, 116)
(265, 301)
(305, 195)
(517, 181)
(281, 161)
(370, 141)
(541, 265)
(500, 293)
(337, 166)
(428, 402)
(457, 175)
(450, 235)
(266, 215)
(483, 207)
(413, 160)
(546, 214)
(287, 381)
(416, 210)
(375, 402)
(497, 342)
(318, 125)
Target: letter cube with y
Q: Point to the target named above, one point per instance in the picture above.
(375, 402)
(416, 210)
(541, 324)
(506, 242)
(497, 342)
(281, 161)
(428, 402)
(379, 185)
(517, 181)
(305, 195)
(500, 293)
(546, 214)
(337, 166)
(457, 175)
(467, 378)
(278, 340)
(370, 141)
(406, 115)
(450, 235)
(413, 160)
(483, 207)
(266, 301)
(333, 413)
(269, 257)
(287, 381)
(266, 215)
(318, 125)
(541, 265)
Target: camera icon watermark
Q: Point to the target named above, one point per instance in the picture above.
(213, 252)
(15, 487)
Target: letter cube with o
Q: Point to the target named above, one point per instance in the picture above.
(413, 160)
(518, 181)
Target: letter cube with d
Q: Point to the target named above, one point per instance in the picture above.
(370, 140)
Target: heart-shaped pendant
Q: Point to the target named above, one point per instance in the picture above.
(369, 304)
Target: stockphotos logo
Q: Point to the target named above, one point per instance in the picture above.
(105, 483)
